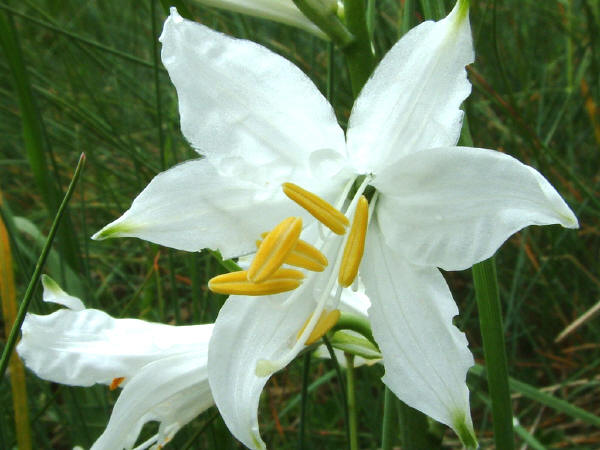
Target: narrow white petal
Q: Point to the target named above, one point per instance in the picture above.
(283, 11)
(453, 207)
(89, 346)
(259, 335)
(240, 101)
(355, 302)
(171, 390)
(191, 207)
(53, 293)
(247, 330)
(412, 100)
(425, 356)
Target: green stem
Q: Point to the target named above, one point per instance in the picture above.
(338, 372)
(388, 432)
(359, 54)
(492, 333)
(12, 338)
(351, 396)
(303, 398)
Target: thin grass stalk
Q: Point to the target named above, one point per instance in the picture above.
(9, 313)
(304, 399)
(390, 419)
(36, 145)
(351, 396)
(340, 378)
(492, 333)
(12, 338)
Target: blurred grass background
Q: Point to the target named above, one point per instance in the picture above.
(93, 83)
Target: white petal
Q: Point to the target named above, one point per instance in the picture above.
(425, 356)
(171, 390)
(247, 330)
(53, 293)
(240, 101)
(283, 11)
(412, 100)
(253, 332)
(453, 207)
(355, 302)
(191, 207)
(86, 347)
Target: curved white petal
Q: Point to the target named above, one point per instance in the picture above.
(412, 100)
(85, 347)
(452, 207)
(247, 330)
(191, 207)
(53, 293)
(239, 101)
(252, 331)
(284, 11)
(355, 302)
(171, 390)
(425, 356)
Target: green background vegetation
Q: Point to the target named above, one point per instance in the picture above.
(93, 83)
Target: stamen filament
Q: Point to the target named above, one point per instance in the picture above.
(317, 207)
(236, 283)
(305, 256)
(326, 321)
(274, 249)
(355, 245)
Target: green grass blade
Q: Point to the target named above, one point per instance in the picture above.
(12, 338)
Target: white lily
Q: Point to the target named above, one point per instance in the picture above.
(283, 11)
(161, 368)
(260, 122)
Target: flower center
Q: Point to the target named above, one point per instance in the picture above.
(282, 245)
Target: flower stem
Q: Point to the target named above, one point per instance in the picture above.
(492, 333)
(12, 338)
(388, 431)
(359, 54)
(303, 398)
(338, 371)
(351, 397)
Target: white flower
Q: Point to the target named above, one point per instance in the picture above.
(260, 122)
(161, 368)
(284, 11)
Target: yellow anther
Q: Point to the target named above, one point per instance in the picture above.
(304, 255)
(327, 320)
(236, 283)
(274, 249)
(355, 246)
(317, 207)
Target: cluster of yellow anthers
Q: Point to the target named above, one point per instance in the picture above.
(282, 245)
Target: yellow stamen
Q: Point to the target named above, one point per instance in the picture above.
(327, 320)
(274, 249)
(236, 283)
(305, 256)
(355, 246)
(116, 382)
(317, 207)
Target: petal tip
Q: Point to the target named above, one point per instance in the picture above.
(463, 427)
(114, 230)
